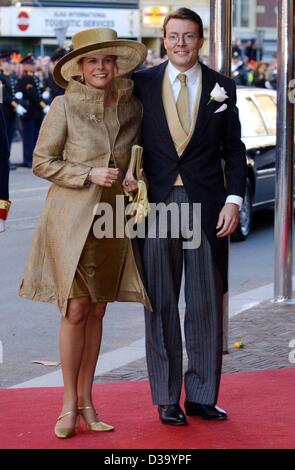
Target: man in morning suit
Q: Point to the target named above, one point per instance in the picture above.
(187, 133)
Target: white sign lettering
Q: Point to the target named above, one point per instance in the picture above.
(41, 22)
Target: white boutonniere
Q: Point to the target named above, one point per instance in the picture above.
(218, 94)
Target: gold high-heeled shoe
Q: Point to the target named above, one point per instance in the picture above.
(95, 426)
(64, 433)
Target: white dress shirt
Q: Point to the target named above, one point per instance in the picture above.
(193, 82)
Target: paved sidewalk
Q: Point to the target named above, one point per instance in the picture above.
(266, 331)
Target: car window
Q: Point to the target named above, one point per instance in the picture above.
(268, 111)
(251, 121)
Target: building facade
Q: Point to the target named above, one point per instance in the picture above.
(256, 19)
(40, 26)
(251, 19)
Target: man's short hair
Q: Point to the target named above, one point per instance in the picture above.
(185, 14)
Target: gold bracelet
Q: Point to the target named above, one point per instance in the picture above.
(5, 204)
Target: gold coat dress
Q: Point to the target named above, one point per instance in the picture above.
(65, 259)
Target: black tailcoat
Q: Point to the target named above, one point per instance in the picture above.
(216, 138)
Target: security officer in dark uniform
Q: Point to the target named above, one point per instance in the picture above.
(239, 71)
(10, 98)
(53, 88)
(4, 172)
(36, 108)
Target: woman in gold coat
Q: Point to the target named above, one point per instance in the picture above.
(84, 149)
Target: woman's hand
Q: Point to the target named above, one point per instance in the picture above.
(130, 183)
(104, 176)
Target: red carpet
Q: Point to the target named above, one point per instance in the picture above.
(260, 405)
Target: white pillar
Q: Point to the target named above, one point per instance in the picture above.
(220, 34)
(284, 154)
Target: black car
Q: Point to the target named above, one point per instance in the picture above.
(257, 111)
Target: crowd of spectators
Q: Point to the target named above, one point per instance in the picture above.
(248, 67)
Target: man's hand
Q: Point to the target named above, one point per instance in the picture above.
(228, 219)
(45, 95)
(18, 95)
(46, 109)
(20, 110)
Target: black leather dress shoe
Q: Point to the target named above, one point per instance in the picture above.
(205, 411)
(172, 414)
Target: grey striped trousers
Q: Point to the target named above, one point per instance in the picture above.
(163, 260)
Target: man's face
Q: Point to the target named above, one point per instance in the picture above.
(31, 68)
(182, 43)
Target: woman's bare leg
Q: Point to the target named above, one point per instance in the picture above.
(71, 344)
(93, 336)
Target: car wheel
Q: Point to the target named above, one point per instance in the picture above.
(243, 229)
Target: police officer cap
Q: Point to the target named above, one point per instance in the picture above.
(28, 59)
(59, 53)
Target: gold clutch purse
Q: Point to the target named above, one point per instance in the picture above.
(138, 206)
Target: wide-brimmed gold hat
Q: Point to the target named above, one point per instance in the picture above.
(130, 54)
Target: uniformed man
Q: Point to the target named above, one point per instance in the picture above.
(31, 88)
(11, 100)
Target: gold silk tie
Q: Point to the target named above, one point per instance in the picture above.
(182, 104)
